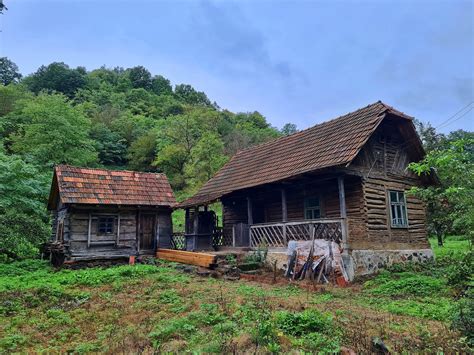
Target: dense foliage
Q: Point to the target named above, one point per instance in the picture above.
(450, 202)
(114, 118)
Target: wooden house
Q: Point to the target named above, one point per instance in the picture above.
(102, 214)
(345, 180)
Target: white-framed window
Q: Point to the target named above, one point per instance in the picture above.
(312, 207)
(398, 209)
(105, 225)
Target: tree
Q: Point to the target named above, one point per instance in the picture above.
(55, 132)
(207, 156)
(57, 77)
(142, 153)
(161, 86)
(140, 77)
(10, 96)
(9, 73)
(24, 222)
(110, 146)
(175, 142)
(188, 95)
(288, 128)
(2, 7)
(429, 137)
(451, 202)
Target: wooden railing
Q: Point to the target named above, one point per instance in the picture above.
(277, 235)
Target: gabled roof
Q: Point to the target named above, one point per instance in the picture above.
(107, 187)
(328, 144)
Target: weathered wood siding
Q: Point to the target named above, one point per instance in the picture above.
(76, 230)
(379, 167)
(383, 165)
(269, 199)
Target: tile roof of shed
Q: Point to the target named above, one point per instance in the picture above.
(109, 187)
(332, 143)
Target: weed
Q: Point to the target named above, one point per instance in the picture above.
(301, 323)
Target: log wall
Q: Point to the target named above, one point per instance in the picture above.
(379, 167)
(76, 230)
(268, 199)
(382, 164)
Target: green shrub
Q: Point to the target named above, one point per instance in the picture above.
(463, 316)
(209, 314)
(460, 274)
(317, 342)
(405, 284)
(429, 308)
(179, 327)
(301, 323)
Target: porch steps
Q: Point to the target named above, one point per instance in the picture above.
(187, 257)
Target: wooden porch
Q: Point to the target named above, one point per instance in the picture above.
(277, 235)
(275, 214)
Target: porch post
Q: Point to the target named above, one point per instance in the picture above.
(284, 213)
(186, 221)
(249, 211)
(343, 212)
(196, 220)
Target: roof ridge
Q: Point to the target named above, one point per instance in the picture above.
(312, 127)
(105, 169)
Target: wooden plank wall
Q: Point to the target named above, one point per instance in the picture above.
(383, 165)
(77, 225)
(235, 205)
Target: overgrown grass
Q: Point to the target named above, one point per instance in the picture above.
(156, 308)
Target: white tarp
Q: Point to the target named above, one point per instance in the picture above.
(319, 262)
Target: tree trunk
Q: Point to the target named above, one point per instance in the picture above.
(440, 239)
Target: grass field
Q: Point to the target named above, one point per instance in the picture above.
(147, 308)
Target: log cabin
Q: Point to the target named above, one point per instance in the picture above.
(104, 214)
(344, 180)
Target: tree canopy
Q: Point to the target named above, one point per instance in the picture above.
(116, 118)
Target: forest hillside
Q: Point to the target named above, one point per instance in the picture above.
(114, 118)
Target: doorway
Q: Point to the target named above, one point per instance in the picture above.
(147, 232)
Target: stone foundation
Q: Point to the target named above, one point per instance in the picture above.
(364, 262)
(370, 261)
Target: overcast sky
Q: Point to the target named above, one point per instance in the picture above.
(293, 61)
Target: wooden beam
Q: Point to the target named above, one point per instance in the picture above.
(249, 211)
(138, 230)
(343, 212)
(187, 257)
(196, 221)
(118, 229)
(186, 221)
(89, 229)
(284, 213)
(342, 197)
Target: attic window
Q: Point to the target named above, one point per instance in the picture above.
(105, 225)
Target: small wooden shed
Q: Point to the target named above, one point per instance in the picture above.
(103, 214)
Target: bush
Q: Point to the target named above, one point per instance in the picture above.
(300, 323)
(460, 274)
(405, 284)
(463, 316)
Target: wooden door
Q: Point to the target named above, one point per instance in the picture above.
(147, 232)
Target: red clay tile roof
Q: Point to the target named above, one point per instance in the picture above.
(330, 143)
(99, 186)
